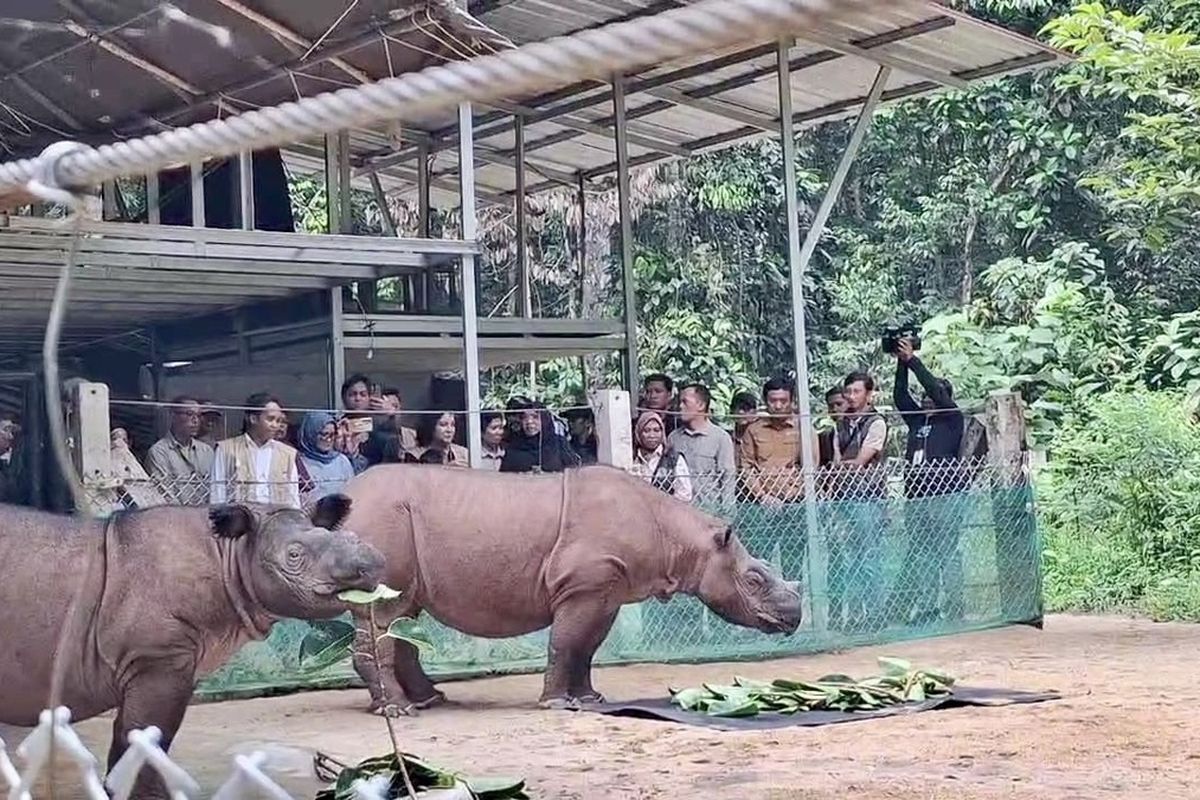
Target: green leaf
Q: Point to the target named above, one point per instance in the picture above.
(743, 707)
(409, 630)
(495, 788)
(326, 643)
(361, 598)
(894, 666)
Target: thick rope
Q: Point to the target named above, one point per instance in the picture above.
(703, 27)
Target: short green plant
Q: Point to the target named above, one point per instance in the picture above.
(404, 775)
(898, 684)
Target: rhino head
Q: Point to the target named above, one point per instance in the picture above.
(743, 590)
(294, 564)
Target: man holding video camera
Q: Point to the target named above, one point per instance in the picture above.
(933, 472)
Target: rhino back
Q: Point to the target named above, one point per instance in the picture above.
(468, 546)
(492, 554)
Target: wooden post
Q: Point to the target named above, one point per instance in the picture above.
(1018, 547)
(614, 428)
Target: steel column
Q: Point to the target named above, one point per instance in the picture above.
(198, 194)
(818, 558)
(246, 188)
(524, 295)
(153, 211)
(625, 215)
(424, 221)
(524, 290)
(333, 206)
(337, 349)
(466, 177)
(345, 214)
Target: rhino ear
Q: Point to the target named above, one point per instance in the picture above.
(331, 511)
(232, 521)
(724, 537)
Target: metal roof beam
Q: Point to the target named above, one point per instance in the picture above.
(652, 83)
(884, 60)
(287, 34)
(823, 113)
(490, 156)
(717, 108)
(502, 124)
(110, 45)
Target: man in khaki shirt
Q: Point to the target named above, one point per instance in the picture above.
(769, 449)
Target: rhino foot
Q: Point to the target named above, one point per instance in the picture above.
(390, 710)
(559, 703)
(571, 702)
(434, 700)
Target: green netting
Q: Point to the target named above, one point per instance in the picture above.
(892, 569)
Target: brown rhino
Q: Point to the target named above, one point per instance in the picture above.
(149, 601)
(499, 555)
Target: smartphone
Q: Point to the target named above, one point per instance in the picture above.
(361, 425)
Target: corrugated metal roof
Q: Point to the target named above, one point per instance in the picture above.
(710, 101)
(95, 69)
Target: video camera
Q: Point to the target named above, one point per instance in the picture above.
(893, 335)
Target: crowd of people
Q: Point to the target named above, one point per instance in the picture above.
(756, 461)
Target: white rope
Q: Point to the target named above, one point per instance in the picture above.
(703, 27)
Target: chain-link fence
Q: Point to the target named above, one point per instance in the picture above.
(886, 552)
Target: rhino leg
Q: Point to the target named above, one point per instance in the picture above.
(578, 629)
(415, 684)
(387, 697)
(156, 695)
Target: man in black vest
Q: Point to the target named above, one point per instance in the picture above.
(936, 488)
(858, 487)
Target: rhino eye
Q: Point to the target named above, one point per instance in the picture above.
(295, 554)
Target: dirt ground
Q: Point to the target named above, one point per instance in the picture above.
(1127, 727)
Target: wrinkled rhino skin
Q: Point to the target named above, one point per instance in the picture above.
(498, 555)
(165, 596)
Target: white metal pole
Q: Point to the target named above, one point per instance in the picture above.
(799, 257)
(626, 218)
(153, 211)
(246, 188)
(817, 559)
(524, 290)
(466, 177)
(197, 174)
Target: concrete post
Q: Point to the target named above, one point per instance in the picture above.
(1018, 546)
(614, 428)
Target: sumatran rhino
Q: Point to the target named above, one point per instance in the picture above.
(143, 604)
(499, 555)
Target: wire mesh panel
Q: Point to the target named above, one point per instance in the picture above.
(897, 553)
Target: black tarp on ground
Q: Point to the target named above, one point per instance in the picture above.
(662, 710)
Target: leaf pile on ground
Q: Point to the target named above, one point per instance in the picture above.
(900, 683)
(428, 781)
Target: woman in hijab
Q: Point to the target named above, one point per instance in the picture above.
(322, 468)
(535, 446)
(656, 463)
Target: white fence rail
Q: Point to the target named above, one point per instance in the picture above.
(54, 738)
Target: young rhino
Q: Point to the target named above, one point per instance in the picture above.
(164, 597)
(499, 555)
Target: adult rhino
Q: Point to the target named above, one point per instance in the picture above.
(143, 604)
(498, 555)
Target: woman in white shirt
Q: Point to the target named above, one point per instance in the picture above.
(656, 463)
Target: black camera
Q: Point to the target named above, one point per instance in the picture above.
(892, 337)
